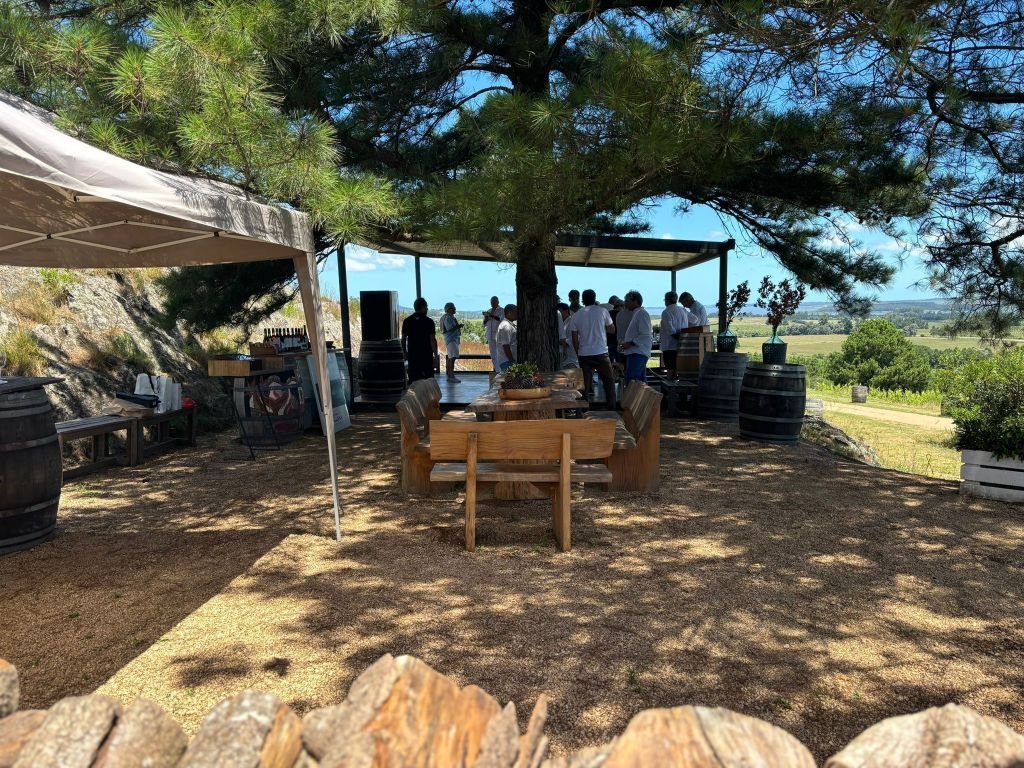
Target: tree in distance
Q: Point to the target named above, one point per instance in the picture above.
(879, 355)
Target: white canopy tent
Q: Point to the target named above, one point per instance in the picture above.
(68, 204)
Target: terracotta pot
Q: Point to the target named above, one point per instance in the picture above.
(524, 394)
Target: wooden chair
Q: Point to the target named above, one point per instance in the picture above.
(635, 462)
(484, 452)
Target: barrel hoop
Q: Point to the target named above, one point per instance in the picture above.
(783, 392)
(29, 443)
(770, 438)
(773, 419)
(16, 540)
(38, 410)
(30, 509)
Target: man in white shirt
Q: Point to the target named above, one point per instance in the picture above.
(492, 319)
(673, 320)
(590, 327)
(506, 338)
(639, 337)
(569, 359)
(696, 315)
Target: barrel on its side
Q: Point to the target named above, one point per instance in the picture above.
(772, 402)
(381, 371)
(859, 394)
(30, 469)
(718, 389)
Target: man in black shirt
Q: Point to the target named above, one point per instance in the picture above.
(419, 343)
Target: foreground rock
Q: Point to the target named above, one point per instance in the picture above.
(400, 712)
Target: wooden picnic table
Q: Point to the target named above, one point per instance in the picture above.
(561, 399)
(540, 408)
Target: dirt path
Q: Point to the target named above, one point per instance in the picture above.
(898, 417)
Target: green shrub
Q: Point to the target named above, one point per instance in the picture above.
(986, 400)
(878, 355)
(24, 357)
(58, 282)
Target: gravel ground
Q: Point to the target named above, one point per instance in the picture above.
(816, 593)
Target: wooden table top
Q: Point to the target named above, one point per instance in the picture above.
(560, 399)
(25, 383)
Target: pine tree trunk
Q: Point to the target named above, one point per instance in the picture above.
(536, 285)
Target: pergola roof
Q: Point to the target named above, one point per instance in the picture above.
(608, 251)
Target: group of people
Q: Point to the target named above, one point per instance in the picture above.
(592, 336)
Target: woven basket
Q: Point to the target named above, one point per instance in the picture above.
(524, 394)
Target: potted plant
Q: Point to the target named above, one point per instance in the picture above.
(780, 301)
(987, 406)
(522, 381)
(735, 301)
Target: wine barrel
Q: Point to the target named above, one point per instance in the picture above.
(858, 394)
(718, 388)
(772, 402)
(30, 464)
(381, 371)
(688, 359)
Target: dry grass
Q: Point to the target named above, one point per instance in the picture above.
(34, 304)
(23, 357)
(819, 594)
(905, 447)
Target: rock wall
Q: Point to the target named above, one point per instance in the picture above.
(400, 712)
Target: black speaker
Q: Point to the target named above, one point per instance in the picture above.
(378, 312)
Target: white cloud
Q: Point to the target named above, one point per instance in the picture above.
(360, 259)
(439, 263)
(668, 236)
(715, 234)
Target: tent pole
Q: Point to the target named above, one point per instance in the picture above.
(419, 281)
(305, 268)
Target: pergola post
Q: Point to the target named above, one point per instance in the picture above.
(419, 279)
(674, 280)
(723, 281)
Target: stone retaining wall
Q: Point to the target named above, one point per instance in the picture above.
(400, 712)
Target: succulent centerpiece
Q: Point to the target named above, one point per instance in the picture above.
(522, 381)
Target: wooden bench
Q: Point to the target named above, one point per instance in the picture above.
(417, 408)
(99, 428)
(484, 452)
(635, 462)
(160, 424)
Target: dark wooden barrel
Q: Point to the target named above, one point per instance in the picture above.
(772, 402)
(718, 388)
(30, 464)
(381, 371)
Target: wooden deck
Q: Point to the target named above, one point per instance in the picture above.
(472, 384)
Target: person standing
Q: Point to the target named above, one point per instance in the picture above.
(419, 343)
(492, 319)
(614, 306)
(673, 320)
(451, 331)
(590, 327)
(574, 301)
(507, 347)
(638, 338)
(696, 314)
(568, 358)
(622, 323)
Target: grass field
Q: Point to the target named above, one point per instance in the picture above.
(834, 394)
(907, 448)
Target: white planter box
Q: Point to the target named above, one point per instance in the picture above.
(991, 478)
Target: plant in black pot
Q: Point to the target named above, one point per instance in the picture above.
(780, 301)
(735, 301)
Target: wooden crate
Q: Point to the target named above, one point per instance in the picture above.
(270, 362)
(230, 367)
(260, 349)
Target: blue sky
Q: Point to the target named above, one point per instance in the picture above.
(471, 284)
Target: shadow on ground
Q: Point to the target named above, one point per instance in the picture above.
(786, 583)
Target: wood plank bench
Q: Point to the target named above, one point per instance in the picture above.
(99, 428)
(160, 424)
(635, 462)
(483, 452)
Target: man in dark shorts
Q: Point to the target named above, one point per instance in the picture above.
(419, 343)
